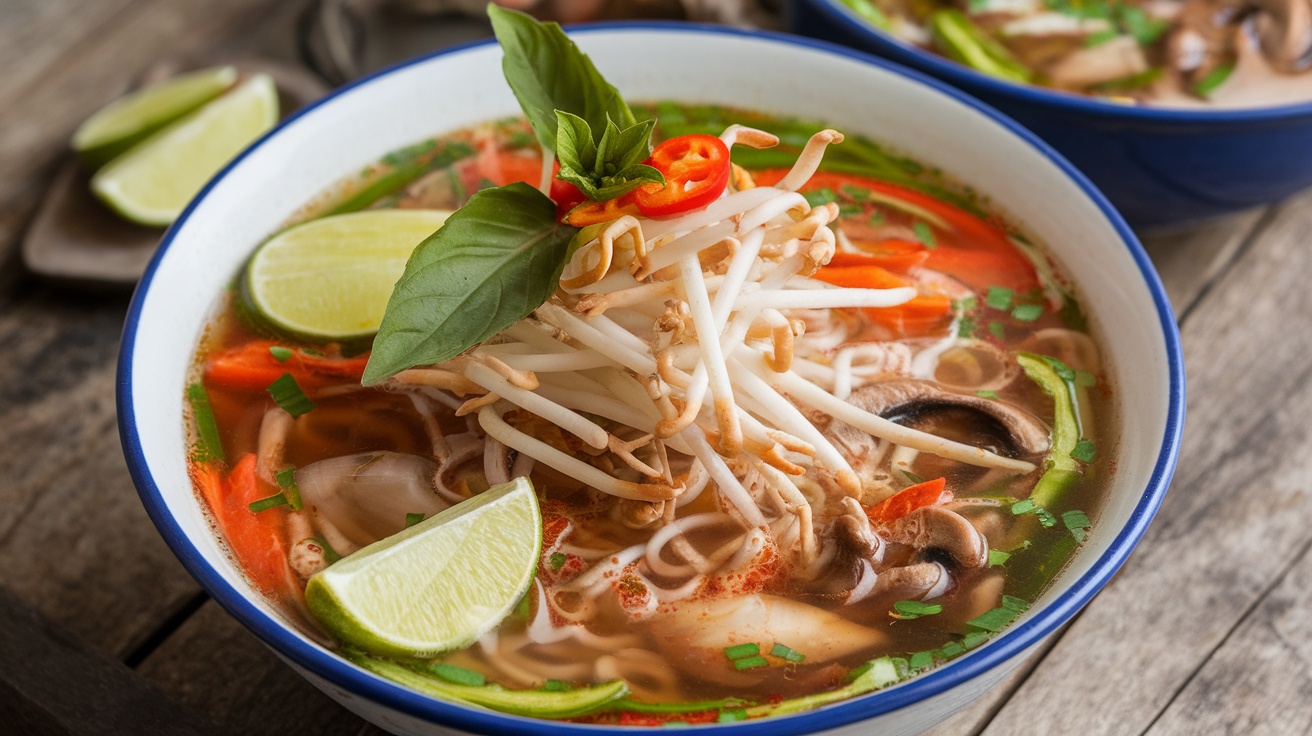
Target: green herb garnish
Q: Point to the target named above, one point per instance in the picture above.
(412, 519)
(558, 560)
(738, 651)
(999, 298)
(280, 353)
(557, 686)
(998, 330)
(732, 715)
(921, 661)
(286, 480)
(998, 558)
(1027, 312)
(1077, 523)
(1084, 451)
(750, 663)
(994, 620)
(786, 652)
(288, 395)
(986, 394)
(264, 504)
(924, 234)
(908, 610)
(457, 675)
(1213, 80)
(208, 445)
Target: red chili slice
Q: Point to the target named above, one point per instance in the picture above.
(696, 169)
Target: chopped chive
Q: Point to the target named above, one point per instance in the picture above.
(952, 650)
(1099, 38)
(675, 724)
(1145, 30)
(999, 298)
(986, 394)
(1046, 519)
(732, 715)
(1077, 522)
(1023, 507)
(859, 670)
(994, 620)
(330, 555)
(820, 197)
(1085, 378)
(288, 394)
(921, 660)
(1012, 603)
(738, 651)
(998, 558)
(264, 504)
(974, 639)
(876, 218)
(750, 663)
(1084, 451)
(857, 193)
(907, 610)
(913, 477)
(280, 353)
(558, 560)
(557, 686)
(966, 327)
(412, 519)
(849, 210)
(997, 330)
(286, 479)
(208, 445)
(968, 304)
(786, 652)
(1027, 312)
(924, 234)
(458, 675)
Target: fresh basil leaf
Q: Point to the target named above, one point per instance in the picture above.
(495, 260)
(547, 72)
(609, 168)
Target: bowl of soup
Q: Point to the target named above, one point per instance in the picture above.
(939, 411)
(1178, 111)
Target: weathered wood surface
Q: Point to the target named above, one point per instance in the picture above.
(1205, 630)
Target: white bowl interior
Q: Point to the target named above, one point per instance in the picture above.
(361, 124)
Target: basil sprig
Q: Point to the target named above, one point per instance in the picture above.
(494, 261)
(607, 168)
(575, 113)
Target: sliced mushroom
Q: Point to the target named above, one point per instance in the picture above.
(1284, 32)
(366, 497)
(918, 581)
(905, 399)
(935, 527)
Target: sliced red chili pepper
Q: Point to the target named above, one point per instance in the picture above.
(696, 169)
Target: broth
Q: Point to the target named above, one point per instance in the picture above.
(662, 621)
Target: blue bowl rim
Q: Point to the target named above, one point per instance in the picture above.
(980, 83)
(338, 672)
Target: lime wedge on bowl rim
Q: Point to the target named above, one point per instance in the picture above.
(153, 181)
(128, 120)
(330, 279)
(439, 584)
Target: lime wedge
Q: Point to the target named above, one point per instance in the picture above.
(330, 279)
(531, 703)
(127, 121)
(438, 585)
(155, 179)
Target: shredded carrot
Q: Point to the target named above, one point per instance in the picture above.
(919, 496)
(591, 212)
(922, 315)
(257, 540)
(253, 367)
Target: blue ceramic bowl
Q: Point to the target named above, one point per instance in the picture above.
(939, 126)
(1159, 166)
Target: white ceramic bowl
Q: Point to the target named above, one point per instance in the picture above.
(775, 74)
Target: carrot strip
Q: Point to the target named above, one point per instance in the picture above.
(253, 367)
(256, 540)
(919, 496)
(920, 316)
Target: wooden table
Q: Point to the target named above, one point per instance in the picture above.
(1205, 630)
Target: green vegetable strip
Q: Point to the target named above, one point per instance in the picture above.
(412, 519)
(288, 394)
(458, 675)
(1061, 469)
(1214, 79)
(286, 479)
(869, 12)
(786, 652)
(963, 41)
(208, 445)
(750, 663)
(264, 504)
(532, 703)
(692, 707)
(880, 673)
(400, 176)
(738, 651)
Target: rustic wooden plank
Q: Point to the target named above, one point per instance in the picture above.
(52, 684)
(216, 667)
(1234, 519)
(1190, 258)
(76, 541)
(68, 58)
(1260, 680)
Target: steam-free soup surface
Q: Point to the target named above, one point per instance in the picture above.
(670, 596)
